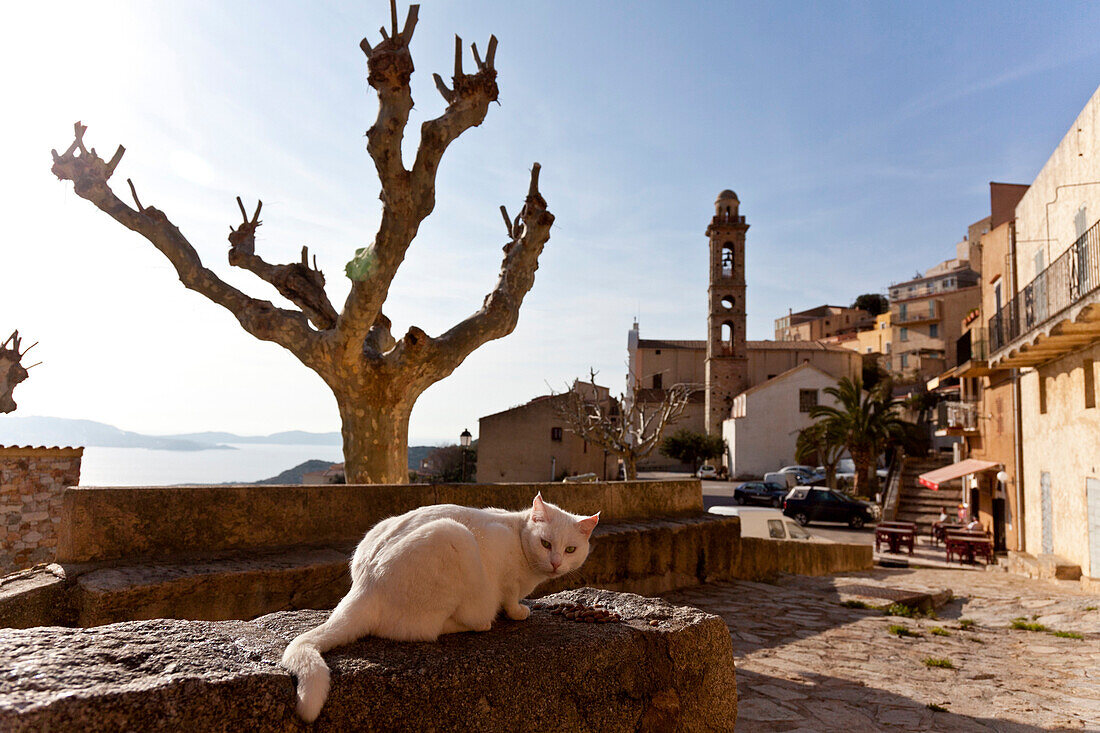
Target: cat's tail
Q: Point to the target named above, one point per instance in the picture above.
(303, 659)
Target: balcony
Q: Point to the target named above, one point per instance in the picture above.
(907, 313)
(957, 418)
(972, 354)
(1056, 313)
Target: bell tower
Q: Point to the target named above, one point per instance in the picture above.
(727, 364)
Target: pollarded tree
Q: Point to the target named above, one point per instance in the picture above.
(628, 430)
(12, 371)
(376, 378)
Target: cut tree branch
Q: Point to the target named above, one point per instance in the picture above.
(499, 313)
(89, 174)
(297, 282)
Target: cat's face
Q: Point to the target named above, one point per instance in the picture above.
(557, 541)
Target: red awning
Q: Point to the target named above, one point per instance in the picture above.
(933, 479)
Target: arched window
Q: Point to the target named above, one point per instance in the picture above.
(727, 337)
(728, 302)
(727, 259)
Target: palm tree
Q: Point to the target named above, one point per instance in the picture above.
(819, 443)
(863, 422)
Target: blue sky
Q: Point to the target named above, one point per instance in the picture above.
(860, 137)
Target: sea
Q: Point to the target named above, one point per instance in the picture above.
(245, 463)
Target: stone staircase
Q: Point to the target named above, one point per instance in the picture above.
(919, 504)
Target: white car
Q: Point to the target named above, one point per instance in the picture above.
(707, 472)
(766, 523)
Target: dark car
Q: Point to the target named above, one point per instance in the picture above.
(760, 492)
(816, 504)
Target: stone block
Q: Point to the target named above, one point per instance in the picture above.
(661, 668)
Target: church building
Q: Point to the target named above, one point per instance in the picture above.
(726, 364)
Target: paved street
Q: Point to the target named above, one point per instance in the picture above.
(806, 662)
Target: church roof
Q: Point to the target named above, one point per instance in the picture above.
(750, 345)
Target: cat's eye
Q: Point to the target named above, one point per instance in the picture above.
(570, 549)
(546, 544)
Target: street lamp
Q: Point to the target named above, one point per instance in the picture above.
(464, 441)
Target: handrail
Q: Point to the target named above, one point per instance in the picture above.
(893, 487)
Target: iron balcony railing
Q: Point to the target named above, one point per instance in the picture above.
(1074, 275)
(958, 415)
(914, 312)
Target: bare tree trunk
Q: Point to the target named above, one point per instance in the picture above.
(376, 439)
(862, 461)
(630, 468)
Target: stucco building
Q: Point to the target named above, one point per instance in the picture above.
(766, 419)
(1046, 331)
(531, 442)
(822, 322)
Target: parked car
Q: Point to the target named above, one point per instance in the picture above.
(783, 479)
(760, 492)
(766, 523)
(805, 474)
(817, 504)
(707, 472)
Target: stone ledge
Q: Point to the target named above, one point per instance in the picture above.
(662, 668)
(131, 524)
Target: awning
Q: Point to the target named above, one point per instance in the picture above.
(933, 479)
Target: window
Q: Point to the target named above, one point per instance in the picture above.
(658, 380)
(868, 349)
(934, 330)
(887, 347)
(775, 529)
(903, 334)
(807, 399)
(555, 434)
(905, 361)
(1038, 262)
(1042, 395)
(1090, 383)
(903, 311)
(997, 298)
(727, 259)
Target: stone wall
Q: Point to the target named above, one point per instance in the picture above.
(105, 524)
(658, 668)
(32, 481)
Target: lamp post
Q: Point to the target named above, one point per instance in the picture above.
(464, 441)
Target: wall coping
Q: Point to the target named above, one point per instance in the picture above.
(27, 451)
(101, 524)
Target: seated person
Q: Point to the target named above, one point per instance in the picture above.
(975, 526)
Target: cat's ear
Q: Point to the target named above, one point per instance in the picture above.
(588, 524)
(538, 509)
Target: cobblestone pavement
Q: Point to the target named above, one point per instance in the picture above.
(807, 662)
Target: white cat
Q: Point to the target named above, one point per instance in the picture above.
(440, 569)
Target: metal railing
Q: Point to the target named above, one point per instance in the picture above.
(1075, 274)
(958, 415)
(974, 344)
(914, 312)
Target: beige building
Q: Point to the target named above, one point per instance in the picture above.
(983, 412)
(926, 314)
(1047, 330)
(874, 340)
(763, 429)
(657, 364)
(532, 443)
(822, 322)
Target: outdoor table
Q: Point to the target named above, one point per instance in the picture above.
(894, 537)
(938, 529)
(967, 543)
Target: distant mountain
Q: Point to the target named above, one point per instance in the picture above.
(417, 453)
(290, 437)
(62, 431)
(294, 475)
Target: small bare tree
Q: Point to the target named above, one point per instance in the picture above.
(627, 429)
(12, 371)
(376, 378)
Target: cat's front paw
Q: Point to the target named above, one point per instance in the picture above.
(518, 612)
